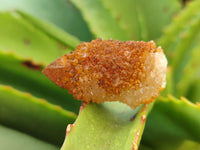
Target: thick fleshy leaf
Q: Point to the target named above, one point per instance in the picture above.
(193, 93)
(179, 41)
(170, 122)
(33, 116)
(182, 145)
(130, 19)
(51, 31)
(62, 13)
(186, 145)
(26, 37)
(26, 76)
(101, 22)
(111, 125)
(190, 72)
(11, 139)
(182, 22)
(142, 20)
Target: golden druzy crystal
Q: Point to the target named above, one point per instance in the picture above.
(132, 72)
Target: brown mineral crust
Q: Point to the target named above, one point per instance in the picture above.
(115, 66)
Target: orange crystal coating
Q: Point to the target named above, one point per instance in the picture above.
(108, 70)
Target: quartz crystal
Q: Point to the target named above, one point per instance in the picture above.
(132, 72)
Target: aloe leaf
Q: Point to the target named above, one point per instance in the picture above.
(33, 116)
(100, 20)
(184, 49)
(21, 141)
(188, 145)
(142, 20)
(27, 38)
(182, 145)
(26, 76)
(193, 92)
(172, 121)
(143, 147)
(111, 125)
(190, 72)
(182, 22)
(52, 31)
(180, 43)
(62, 13)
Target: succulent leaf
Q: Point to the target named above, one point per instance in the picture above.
(52, 31)
(30, 40)
(190, 72)
(61, 13)
(21, 141)
(182, 145)
(100, 20)
(22, 75)
(193, 93)
(27, 45)
(128, 19)
(111, 125)
(179, 41)
(33, 116)
(142, 20)
(179, 24)
(172, 121)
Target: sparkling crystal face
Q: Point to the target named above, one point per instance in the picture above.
(131, 72)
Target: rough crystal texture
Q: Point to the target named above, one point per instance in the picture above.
(131, 72)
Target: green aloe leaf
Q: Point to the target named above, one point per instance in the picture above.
(33, 116)
(142, 20)
(188, 145)
(21, 141)
(170, 122)
(109, 126)
(25, 36)
(183, 145)
(101, 22)
(181, 38)
(193, 93)
(51, 31)
(62, 13)
(130, 19)
(190, 72)
(26, 76)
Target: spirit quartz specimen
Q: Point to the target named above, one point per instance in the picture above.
(132, 72)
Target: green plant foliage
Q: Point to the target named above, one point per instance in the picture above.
(130, 19)
(53, 32)
(105, 126)
(101, 22)
(193, 93)
(21, 141)
(33, 116)
(25, 76)
(180, 42)
(29, 40)
(60, 12)
(188, 145)
(34, 113)
(182, 145)
(171, 121)
(190, 72)
(142, 20)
